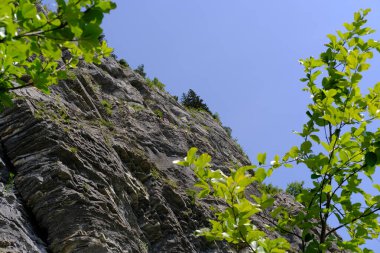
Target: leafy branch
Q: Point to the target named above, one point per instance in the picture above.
(337, 105)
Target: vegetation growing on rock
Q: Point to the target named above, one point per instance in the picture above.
(192, 100)
(140, 70)
(155, 83)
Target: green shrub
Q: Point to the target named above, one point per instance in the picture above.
(217, 117)
(192, 100)
(228, 131)
(239, 146)
(123, 63)
(155, 173)
(155, 83)
(140, 70)
(295, 188)
(159, 113)
(270, 189)
(136, 107)
(107, 106)
(106, 123)
(226, 128)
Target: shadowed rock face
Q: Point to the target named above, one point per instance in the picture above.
(93, 167)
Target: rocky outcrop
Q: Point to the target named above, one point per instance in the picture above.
(93, 167)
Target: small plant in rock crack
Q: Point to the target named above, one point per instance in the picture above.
(10, 182)
(159, 113)
(155, 83)
(107, 107)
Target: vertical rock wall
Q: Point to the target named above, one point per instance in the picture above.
(93, 167)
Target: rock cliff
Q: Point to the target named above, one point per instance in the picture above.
(92, 166)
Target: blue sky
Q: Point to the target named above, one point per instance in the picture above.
(240, 56)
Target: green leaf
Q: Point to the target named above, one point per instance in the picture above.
(314, 76)
(332, 38)
(348, 26)
(203, 161)
(106, 6)
(28, 10)
(352, 61)
(93, 15)
(326, 146)
(5, 100)
(341, 35)
(306, 146)
(356, 77)
(376, 186)
(363, 67)
(377, 152)
(62, 74)
(267, 203)
(191, 155)
(357, 16)
(293, 153)
(261, 157)
(91, 32)
(203, 193)
(260, 174)
(327, 188)
(370, 159)
(331, 93)
(315, 138)
(76, 30)
(309, 237)
(343, 156)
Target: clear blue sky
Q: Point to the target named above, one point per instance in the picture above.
(240, 56)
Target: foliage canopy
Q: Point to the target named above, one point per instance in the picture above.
(38, 46)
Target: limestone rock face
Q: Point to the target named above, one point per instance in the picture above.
(93, 172)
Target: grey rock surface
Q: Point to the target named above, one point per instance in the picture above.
(93, 167)
(17, 233)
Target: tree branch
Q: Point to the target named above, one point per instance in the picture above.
(364, 214)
